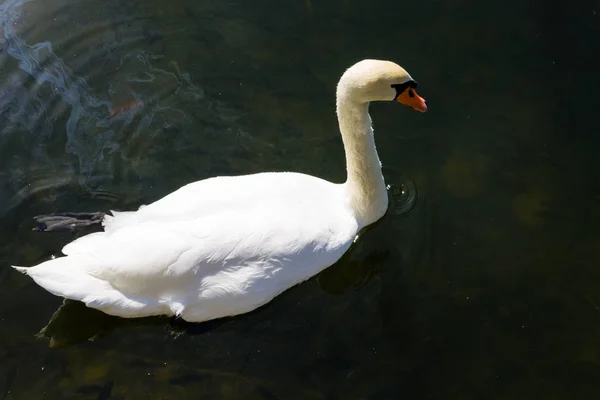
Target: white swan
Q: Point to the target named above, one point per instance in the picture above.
(228, 245)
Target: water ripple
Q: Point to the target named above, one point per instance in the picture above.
(404, 197)
(97, 91)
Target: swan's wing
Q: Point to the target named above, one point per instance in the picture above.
(161, 258)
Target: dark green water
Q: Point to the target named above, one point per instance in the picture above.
(487, 288)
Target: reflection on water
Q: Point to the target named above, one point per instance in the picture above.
(480, 282)
(105, 126)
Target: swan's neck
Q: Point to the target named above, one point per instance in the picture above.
(365, 187)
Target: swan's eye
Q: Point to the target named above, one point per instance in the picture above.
(401, 87)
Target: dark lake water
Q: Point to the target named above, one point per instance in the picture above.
(482, 282)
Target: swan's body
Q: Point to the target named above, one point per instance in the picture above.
(228, 245)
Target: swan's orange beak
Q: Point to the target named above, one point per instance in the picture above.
(410, 98)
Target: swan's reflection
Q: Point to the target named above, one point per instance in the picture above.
(73, 322)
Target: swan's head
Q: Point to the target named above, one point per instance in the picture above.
(377, 80)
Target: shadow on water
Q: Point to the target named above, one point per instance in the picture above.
(73, 322)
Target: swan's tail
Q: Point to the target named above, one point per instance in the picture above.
(62, 277)
(67, 221)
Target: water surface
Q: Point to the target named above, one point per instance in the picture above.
(487, 286)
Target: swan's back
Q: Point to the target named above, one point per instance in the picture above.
(229, 193)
